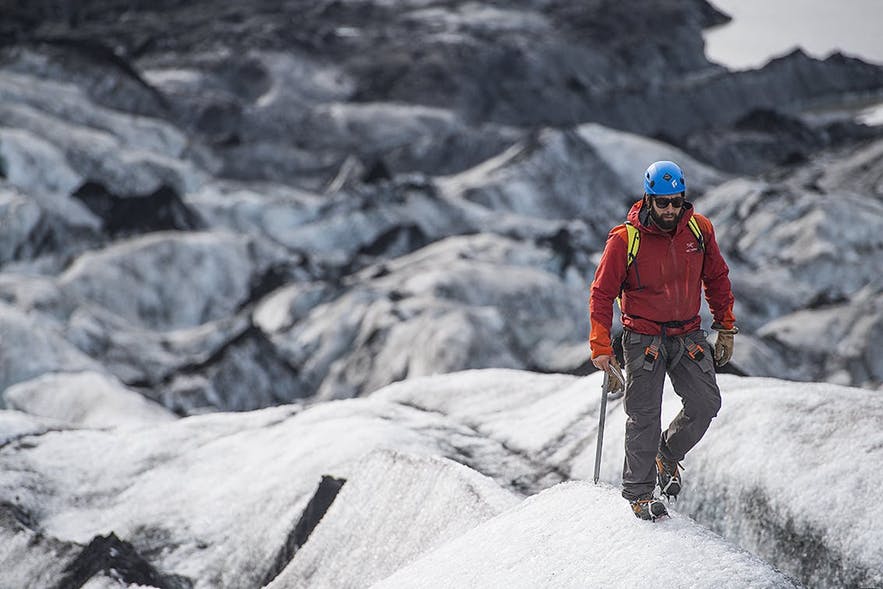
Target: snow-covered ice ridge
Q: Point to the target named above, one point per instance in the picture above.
(471, 479)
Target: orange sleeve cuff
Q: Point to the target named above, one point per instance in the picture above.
(728, 321)
(600, 341)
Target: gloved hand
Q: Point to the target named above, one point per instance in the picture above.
(616, 382)
(723, 346)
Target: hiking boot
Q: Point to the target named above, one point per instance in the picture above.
(648, 507)
(668, 475)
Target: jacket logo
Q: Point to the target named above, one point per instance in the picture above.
(692, 247)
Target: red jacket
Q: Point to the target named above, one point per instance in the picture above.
(664, 282)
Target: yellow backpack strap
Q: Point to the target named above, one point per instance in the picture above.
(693, 224)
(634, 242)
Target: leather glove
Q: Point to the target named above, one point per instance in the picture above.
(723, 346)
(616, 382)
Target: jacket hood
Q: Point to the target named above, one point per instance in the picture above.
(639, 216)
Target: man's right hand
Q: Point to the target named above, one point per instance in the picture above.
(603, 362)
(609, 365)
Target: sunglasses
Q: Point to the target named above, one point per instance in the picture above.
(663, 201)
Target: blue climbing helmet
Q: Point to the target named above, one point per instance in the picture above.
(663, 178)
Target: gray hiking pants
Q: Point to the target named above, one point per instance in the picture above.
(694, 381)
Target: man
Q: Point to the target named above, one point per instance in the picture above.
(658, 275)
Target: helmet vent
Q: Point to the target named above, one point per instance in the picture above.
(666, 177)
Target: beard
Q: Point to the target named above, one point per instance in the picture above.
(666, 224)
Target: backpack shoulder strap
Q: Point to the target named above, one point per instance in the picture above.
(632, 244)
(693, 224)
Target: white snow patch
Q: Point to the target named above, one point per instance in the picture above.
(521, 409)
(89, 399)
(15, 424)
(577, 535)
(393, 508)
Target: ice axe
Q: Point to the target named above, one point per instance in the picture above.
(614, 373)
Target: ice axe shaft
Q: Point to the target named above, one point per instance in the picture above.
(602, 417)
